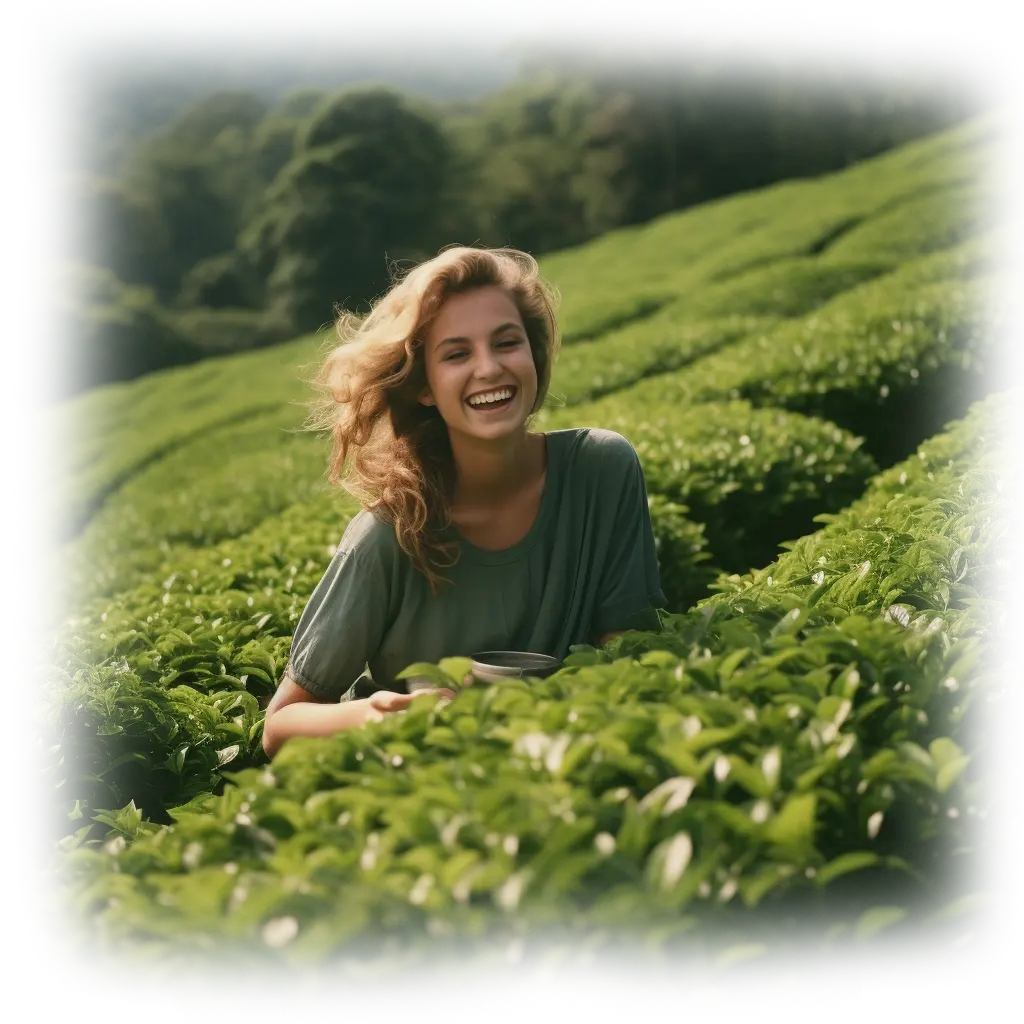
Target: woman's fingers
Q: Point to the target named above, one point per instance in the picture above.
(386, 700)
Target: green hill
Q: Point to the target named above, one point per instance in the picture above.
(768, 355)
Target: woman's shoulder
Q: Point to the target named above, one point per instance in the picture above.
(598, 448)
(369, 538)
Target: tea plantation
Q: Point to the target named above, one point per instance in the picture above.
(808, 375)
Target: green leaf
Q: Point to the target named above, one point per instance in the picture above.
(809, 779)
(735, 633)
(731, 662)
(964, 905)
(794, 824)
(581, 654)
(917, 755)
(750, 778)
(133, 756)
(844, 864)
(457, 669)
(227, 754)
(790, 623)
(876, 920)
(708, 738)
(434, 673)
(950, 772)
(106, 818)
(659, 659)
(944, 750)
(176, 761)
(75, 840)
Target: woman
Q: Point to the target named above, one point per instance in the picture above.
(547, 537)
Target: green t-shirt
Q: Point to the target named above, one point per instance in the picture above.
(586, 567)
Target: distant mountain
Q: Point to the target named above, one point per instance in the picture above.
(120, 75)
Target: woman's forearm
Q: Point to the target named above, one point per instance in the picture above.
(307, 718)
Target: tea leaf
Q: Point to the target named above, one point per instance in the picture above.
(794, 823)
(845, 863)
(950, 772)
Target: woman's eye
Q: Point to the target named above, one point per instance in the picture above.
(509, 341)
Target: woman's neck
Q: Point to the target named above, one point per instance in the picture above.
(490, 473)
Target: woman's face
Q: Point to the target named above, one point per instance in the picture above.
(480, 370)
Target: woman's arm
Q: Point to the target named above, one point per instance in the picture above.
(294, 711)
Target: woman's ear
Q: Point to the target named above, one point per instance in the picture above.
(426, 398)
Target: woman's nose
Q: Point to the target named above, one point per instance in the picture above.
(487, 364)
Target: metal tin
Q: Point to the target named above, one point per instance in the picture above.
(420, 683)
(490, 666)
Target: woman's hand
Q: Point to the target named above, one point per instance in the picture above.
(384, 701)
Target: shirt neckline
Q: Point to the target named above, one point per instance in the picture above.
(548, 500)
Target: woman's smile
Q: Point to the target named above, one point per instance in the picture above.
(493, 400)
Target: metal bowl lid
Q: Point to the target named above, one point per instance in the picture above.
(525, 661)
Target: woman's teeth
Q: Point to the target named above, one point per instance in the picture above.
(489, 402)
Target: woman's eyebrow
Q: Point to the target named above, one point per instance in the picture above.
(497, 330)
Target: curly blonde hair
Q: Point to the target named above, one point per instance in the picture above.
(388, 450)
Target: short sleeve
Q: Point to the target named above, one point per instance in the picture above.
(344, 621)
(630, 583)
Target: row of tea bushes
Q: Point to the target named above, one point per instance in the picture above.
(881, 360)
(110, 433)
(667, 341)
(159, 687)
(714, 316)
(934, 219)
(784, 288)
(926, 333)
(903, 203)
(218, 486)
(928, 559)
(989, 252)
(809, 752)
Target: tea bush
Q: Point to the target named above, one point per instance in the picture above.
(918, 342)
(935, 219)
(665, 342)
(990, 252)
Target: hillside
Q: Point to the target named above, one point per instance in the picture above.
(768, 355)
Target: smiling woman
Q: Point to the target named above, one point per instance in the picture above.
(547, 537)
